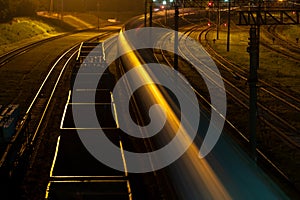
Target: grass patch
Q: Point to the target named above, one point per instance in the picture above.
(274, 67)
(24, 30)
(290, 32)
(238, 45)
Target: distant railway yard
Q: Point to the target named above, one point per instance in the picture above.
(42, 156)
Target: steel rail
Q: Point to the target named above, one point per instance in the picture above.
(6, 57)
(264, 108)
(25, 120)
(282, 173)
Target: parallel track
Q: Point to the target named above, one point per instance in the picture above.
(282, 99)
(27, 138)
(234, 94)
(291, 139)
(288, 49)
(7, 57)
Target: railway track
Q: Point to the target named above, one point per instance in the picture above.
(272, 123)
(271, 40)
(158, 54)
(20, 153)
(71, 168)
(289, 101)
(283, 100)
(192, 169)
(176, 175)
(292, 46)
(7, 57)
(288, 134)
(38, 104)
(284, 107)
(272, 111)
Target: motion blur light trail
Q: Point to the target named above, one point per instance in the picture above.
(222, 174)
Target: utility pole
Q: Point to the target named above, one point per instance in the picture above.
(253, 50)
(252, 80)
(51, 7)
(262, 17)
(228, 26)
(166, 16)
(145, 13)
(176, 16)
(218, 19)
(98, 10)
(150, 12)
(62, 10)
(183, 5)
(209, 8)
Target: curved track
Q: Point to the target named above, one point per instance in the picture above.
(186, 174)
(283, 100)
(288, 49)
(275, 126)
(24, 146)
(218, 176)
(289, 139)
(8, 56)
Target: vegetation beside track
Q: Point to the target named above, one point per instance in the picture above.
(282, 72)
(274, 67)
(23, 30)
(289, 33)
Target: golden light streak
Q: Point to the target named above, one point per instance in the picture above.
(193, 165)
